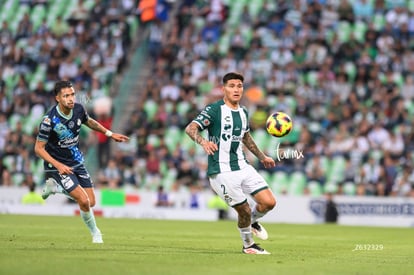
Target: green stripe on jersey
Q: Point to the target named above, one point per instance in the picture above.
(237, 127)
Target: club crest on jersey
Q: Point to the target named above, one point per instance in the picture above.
(71, 124)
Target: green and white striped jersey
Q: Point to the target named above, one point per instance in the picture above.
(226, 127)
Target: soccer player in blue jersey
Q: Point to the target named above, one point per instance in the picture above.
(230, 175)
(57, 144)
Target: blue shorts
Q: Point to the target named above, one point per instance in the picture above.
(80, 177)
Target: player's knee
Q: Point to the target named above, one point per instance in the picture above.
(266, 205)
(271, 204)
(84, 203)
(92, 202)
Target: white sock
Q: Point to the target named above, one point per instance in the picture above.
(89, 220)
(247, 236)
(256, 215)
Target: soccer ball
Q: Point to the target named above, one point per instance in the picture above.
(279, 124)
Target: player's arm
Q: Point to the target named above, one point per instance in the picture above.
(95, 125)
(41, 152)
(249, 142)
(193, 131)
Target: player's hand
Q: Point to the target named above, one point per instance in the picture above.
(209, 147)
(268, 162)
(119, 137)
(64, 169)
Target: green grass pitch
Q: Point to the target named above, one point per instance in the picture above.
(62, 245)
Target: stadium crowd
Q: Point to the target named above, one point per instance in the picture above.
(343, 70)
(84, 41)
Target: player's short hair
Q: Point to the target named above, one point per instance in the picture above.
(61, 84)
(232, 75)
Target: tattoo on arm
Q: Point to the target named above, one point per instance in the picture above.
(251, 145)
(94, 125)
(193, 132)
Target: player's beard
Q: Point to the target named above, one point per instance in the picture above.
(67, 106)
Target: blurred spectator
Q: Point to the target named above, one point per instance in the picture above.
(371, 176)
(316, 170)
(32, 197)
(110, 175)
(60, 27)
(163, 198)
(186, 176)
(153, 172)
(104, 145)
(331, 211)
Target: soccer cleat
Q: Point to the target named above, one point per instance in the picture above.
(255, 249)
(97, 237)
(49, 188)
(259, 231)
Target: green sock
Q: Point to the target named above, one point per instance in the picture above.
(89, 220)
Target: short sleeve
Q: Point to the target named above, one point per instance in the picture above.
(205, 117)
(45, 129)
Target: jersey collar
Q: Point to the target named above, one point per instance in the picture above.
(63, 115)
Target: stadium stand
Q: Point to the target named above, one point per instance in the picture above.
(343, 71)
(85, 41)
(338, 68)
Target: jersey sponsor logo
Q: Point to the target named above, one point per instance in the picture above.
(232, 138)
(227, 127)
(225, 137)
(67, 182)
(85, 176)
(235, 138)
(68, 142)
(227, 118)
(78, 122)
(45, 128)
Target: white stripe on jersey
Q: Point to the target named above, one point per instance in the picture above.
(227, 138)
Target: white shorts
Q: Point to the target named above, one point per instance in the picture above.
(233, 186)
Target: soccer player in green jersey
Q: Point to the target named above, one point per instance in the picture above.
(230, 175)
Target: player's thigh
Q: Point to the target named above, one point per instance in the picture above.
(86, 183)
(228, 187)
